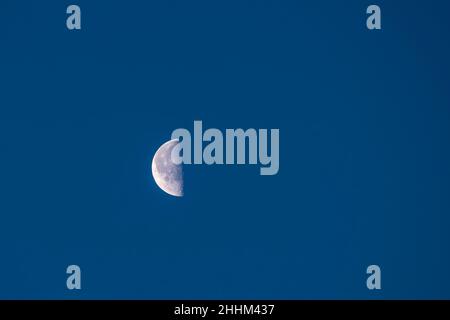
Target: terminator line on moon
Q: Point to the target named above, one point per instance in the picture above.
(168, 176)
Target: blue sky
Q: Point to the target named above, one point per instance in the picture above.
(364, 135)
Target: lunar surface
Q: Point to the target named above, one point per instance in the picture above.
(168, 176)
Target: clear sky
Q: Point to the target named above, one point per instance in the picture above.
(364, 149)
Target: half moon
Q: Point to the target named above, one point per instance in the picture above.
(168, 175)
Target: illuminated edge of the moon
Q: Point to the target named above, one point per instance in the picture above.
(161, 183)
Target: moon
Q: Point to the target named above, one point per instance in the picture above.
(168, 175)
